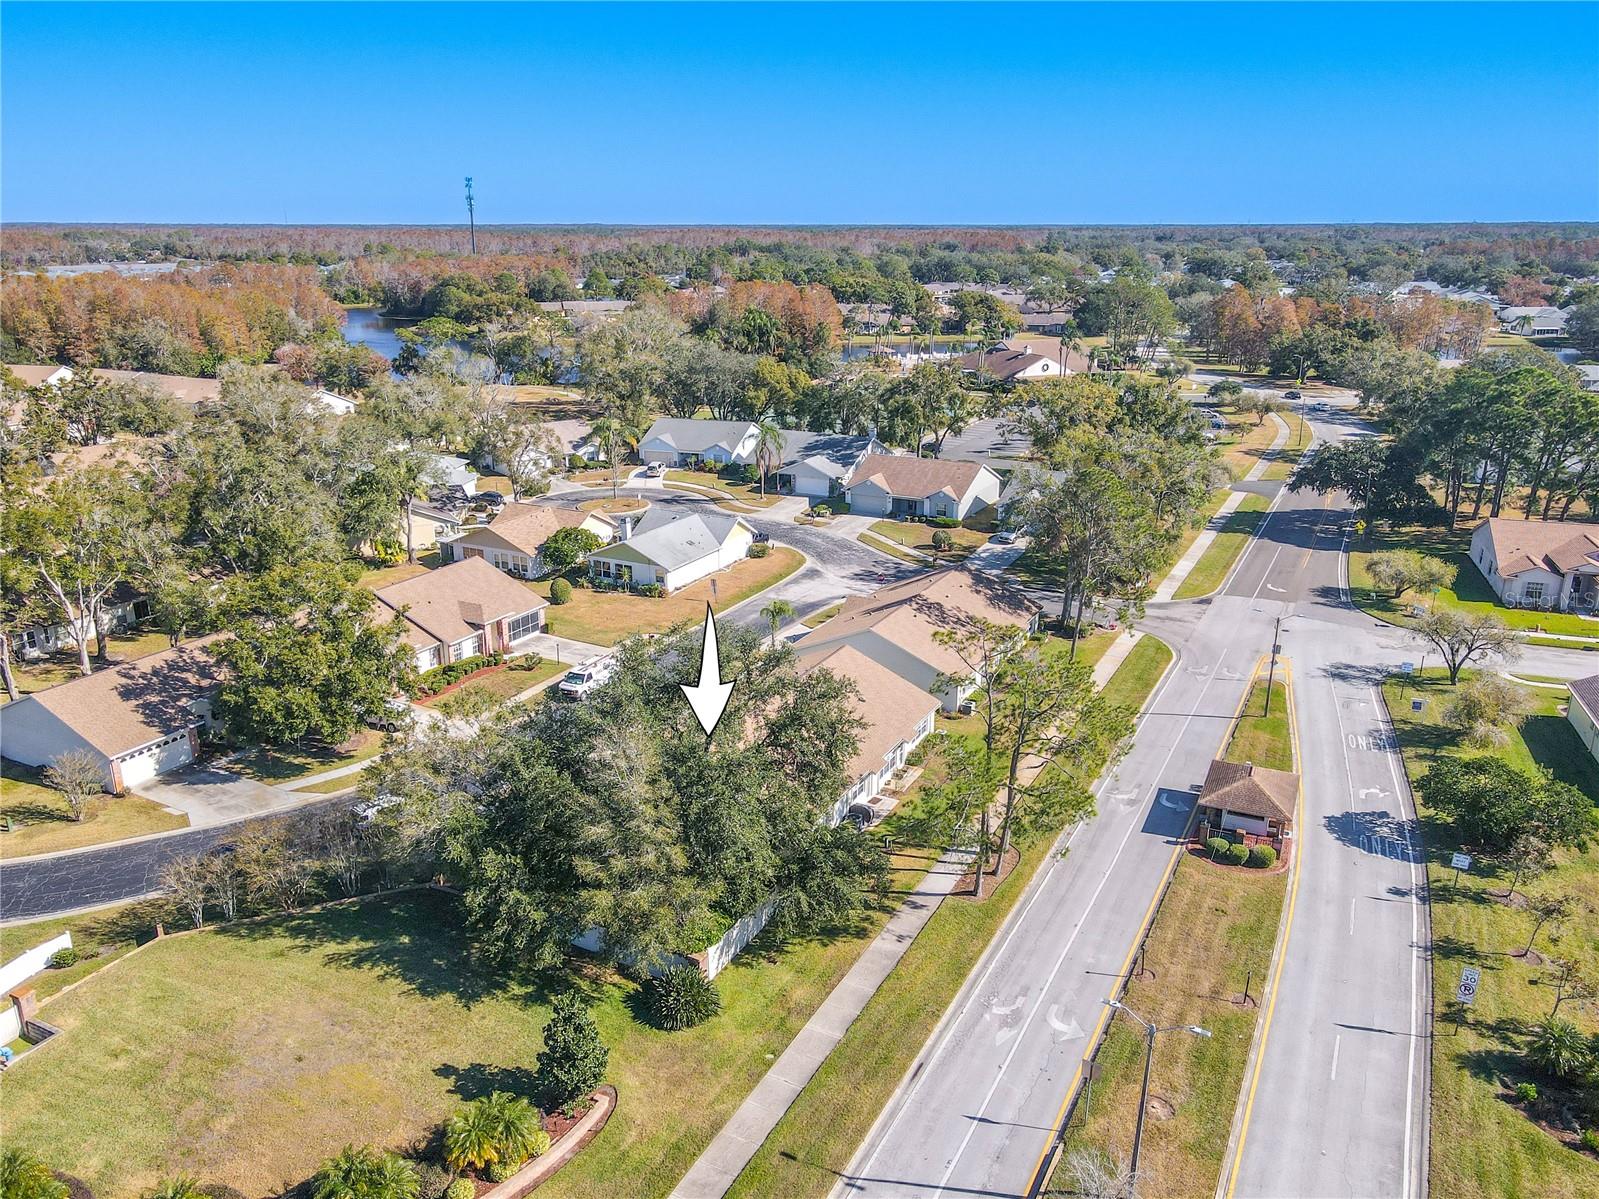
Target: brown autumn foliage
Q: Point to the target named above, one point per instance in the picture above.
(187, 322)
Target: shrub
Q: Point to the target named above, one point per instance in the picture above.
(388, 552)
(1526, 1092)
(433, 1181)
(560, 592)
(1237, 855)
(1590, 1140)
(364, 1173)
(539, 1143)
(821, 511)
(528, 662)
(943, 541)
(681, 997)
(499, 1171)
(1217, 847)
(943, 522)
(497, 1130)
(573, 1060)
(62, 958)
(653, 590)
(180, 1187)
(461, 1188)
(1559, 1049)
(1262, 857)
(760, 549)
(577, 462)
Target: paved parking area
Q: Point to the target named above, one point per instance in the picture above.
(209, 796)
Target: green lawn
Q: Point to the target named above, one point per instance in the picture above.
(41, 823)
(891, 548)
(819, 1134)
(1468, 592)
(822, 617)
(246, 1054)
(1483, 1145)
(283, 764)
(1294, 448)
(1259, 738)
(503, 684)
(607, 617)
(63, 667)
(102, 935)
(918, 536)
(735, 495)
(1214, 932)
(1211, 569)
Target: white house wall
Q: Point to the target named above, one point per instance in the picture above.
(1577, 716)
(32, 734)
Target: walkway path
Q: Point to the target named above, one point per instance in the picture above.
(1185, 564)
(731, 1149)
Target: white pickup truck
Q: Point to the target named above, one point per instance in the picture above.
(580, 680)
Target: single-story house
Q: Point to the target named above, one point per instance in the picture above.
(451, 470)
(1588, 372)
(186, 389)
(462, 610)
(1240, 797)
(1025, 484)
(333, 401)
(432, 522)
(125, 608)
(901, 485)
(1539, 321)
(892, 716)
(896, 627)
(1582, 713)
(1052, 323)
(673, 550)
(816, 464)
(677, 442)
(512, 541)
(140, 719)
(1009, 363)
(1547, 564)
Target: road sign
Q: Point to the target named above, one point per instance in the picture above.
(1407, 668)
(1461, 861)
(1417, 705)
(1466, 993)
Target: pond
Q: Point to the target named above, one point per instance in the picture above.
(366, 326)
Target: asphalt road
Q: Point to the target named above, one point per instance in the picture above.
(1342, 1080)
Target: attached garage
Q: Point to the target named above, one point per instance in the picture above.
(139, 720)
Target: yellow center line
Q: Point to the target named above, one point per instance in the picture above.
(1298, 849)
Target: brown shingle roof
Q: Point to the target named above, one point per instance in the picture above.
(1586, 692)
(1004, 362)
(527, 527)
(910, 613)
(120, 708)
(889, 708)
(187, 389)
(916, 478)
(451, 603)
(1557, 545)
(1250, 789)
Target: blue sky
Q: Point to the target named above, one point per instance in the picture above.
(970, 114)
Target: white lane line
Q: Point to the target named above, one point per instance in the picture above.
(1338, 1042)
(1060, 961)
(1351, 915)
(946, 1027)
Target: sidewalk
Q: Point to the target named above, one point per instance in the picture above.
(731, 1149)
(1169, 585)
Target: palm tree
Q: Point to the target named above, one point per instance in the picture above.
(768, 449)
(609, 432)
(23, 1176)
(1071, 342)
(1523, 323)
(469, 1138)
(517, 1125)
(181, 1187)
(777, 613)
(499, 1128)
(365, 1173)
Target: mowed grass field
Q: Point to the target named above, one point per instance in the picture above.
(1484, 1146)
(607, 617)
(247, 1054)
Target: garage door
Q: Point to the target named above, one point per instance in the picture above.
(155, 759)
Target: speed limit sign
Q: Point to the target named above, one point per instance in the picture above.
(1466, 993)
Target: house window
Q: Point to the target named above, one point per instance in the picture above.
(522, 626)
(467, 648)
(428, 658)
(1532, 593)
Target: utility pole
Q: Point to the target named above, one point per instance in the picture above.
(1150, 1032)
(1271, 670)
(471, 214)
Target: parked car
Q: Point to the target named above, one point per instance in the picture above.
(761, 538)
(1292, 396)
(395, 715)
(580, 680)
(493, 500)
(1004, 537)
(655, 470)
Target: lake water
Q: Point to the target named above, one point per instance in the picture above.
(369, 327)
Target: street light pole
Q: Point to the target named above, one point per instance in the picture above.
(1151, 1031)
(1271, 670)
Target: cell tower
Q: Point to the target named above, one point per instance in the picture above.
(471, 214)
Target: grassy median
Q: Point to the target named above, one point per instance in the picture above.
(1211, 570)
(816, 1138)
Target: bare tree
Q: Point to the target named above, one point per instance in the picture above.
(1571, 985)
(1529, 856)
(1463, 639)
(225, 883)
(276, 865)
(78, 775)
(187, 880)
(1545, 908)
(1096, 1174)
(343, 847)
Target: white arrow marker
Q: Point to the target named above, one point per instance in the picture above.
(1269, 587)
(1069, 1031)
(709, 696)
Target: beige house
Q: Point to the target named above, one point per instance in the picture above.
(901, 485)
(1240, 797)
(1551, 565)
(896, 627)
(462, 610)
(893, 716)
(514, 539)
(138, 720)
(1010, 363)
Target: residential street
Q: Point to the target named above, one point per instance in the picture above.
(986, 1094)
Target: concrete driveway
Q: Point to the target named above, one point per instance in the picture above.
(209, 796)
